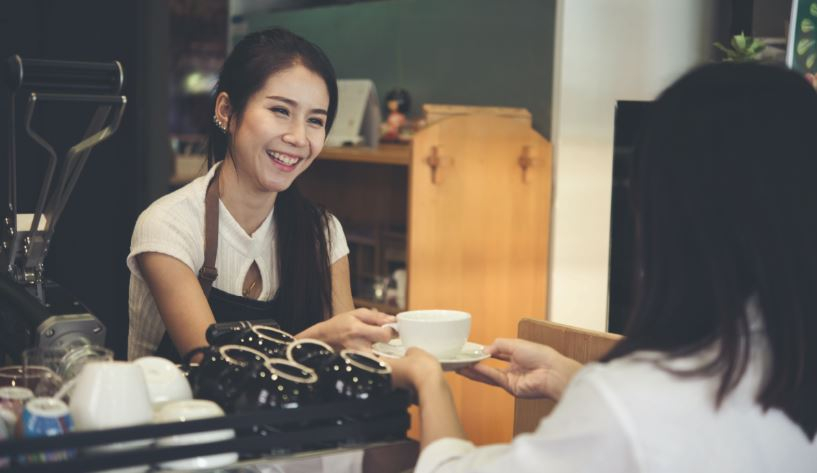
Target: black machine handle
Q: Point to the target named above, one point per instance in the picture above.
(218, 330)
(72, 77)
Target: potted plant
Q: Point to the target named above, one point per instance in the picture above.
(743, 48)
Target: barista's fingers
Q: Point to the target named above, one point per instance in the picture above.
(374, 334)
(359, 344)
(373, 317)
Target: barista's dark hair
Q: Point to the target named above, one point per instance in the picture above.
(302, 229)
(726, 211)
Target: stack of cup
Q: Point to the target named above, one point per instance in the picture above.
(183, 411)
(12, 402)
(24, 415)
(45, 417)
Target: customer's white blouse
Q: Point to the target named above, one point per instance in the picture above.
(174, 225)
(628, 416)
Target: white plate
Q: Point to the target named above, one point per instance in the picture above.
(471, 353)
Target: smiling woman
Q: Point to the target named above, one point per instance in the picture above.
(242, 243)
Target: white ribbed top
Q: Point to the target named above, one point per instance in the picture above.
(174, 225)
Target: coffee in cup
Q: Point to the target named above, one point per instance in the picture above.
(439, 332)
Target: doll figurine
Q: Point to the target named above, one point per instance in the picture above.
(397, 105)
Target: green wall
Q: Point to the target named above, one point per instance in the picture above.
(470, 52)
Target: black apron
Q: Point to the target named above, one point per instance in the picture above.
(226, 307)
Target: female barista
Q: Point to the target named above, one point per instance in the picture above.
(241, 243)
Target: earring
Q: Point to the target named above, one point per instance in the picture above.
(219, 124)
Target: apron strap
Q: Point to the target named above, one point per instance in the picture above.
(208, 272)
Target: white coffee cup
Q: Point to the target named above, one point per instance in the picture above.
(439, 332)
(110, 394)
(165, 381)
(181, 411)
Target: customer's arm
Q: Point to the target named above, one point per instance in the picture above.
(422, 373)
(589, 431)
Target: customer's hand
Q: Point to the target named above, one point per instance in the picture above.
(356, 329)
(533, 370)
(420, 372)
(415, 371)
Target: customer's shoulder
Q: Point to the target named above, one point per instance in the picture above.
(649, 378)
(634, 373)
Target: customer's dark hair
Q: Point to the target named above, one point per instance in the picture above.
(726, 211)
(305, 291)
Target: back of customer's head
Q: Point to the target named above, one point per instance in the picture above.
(726, 209)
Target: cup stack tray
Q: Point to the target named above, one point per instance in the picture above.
(263, 433)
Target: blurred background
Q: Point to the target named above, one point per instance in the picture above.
(512, 53)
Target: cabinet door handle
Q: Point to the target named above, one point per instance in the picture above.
(433, 161)
(525, 162)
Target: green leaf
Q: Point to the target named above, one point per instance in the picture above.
(806, 26)
(804, 45)
(756, 47)
(739, 41)
(813, 9)
(812, 58)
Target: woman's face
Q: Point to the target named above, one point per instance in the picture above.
(283, 129)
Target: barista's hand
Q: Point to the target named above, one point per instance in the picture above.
(533, 370)
(356, 329)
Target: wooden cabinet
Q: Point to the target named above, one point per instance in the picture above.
(472, 194)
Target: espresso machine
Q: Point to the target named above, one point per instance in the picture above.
(35, 311)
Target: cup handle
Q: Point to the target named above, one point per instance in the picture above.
(66, 388)
(392, 326)
(187, 359)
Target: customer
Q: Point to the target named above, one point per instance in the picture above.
(276, 254)
(718, 370)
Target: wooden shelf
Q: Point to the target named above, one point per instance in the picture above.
(367, 304)
(394, 154)
(187, 168)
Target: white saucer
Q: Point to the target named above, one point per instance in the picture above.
(470, 354)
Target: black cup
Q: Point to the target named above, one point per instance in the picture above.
(190, 371)
(310, 353)
(290, 385)
(287, 386)
(355, 375)
(268, 339)
(224, 373)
